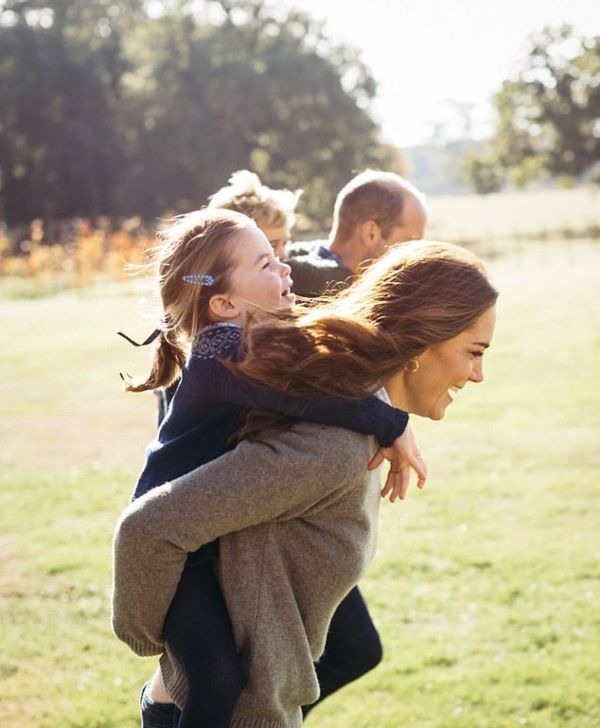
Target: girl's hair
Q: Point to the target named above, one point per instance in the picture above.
(418, 294)
(196, 245)
(267, 207)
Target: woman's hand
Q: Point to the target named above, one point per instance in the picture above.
(403, 455)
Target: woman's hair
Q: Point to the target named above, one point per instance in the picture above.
(417, 295)
(267, 207)
(193, 263)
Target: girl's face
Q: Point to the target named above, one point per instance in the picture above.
(443, 369)
(258, 280)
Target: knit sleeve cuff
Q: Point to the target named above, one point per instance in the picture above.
(142, 646)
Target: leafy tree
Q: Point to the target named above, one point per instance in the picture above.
(60, 66)
(549, 114)
(107, 108)
(246, 90)
(482, 174)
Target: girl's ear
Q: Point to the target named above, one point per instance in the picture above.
(223, 308)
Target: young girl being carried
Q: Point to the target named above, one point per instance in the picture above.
(216, 267)
(271, 209)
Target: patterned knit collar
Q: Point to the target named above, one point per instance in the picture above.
(216, 339)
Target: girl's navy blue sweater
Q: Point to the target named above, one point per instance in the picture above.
(210, 405)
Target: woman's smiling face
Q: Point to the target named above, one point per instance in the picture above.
(443, 369)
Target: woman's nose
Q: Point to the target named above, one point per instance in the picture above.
(284, 270)
(477, 373)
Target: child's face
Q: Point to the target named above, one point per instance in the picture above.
(278, 237)
(258, 280)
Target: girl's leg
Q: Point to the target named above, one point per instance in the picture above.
(157, 709)
(199, 632)
(352, 648)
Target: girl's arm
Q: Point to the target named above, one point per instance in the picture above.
(210, 380)
(254, 483)
(368, 416)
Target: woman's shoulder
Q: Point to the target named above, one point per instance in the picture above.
(217, 340)
(333, 451)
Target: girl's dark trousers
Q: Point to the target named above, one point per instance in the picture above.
(198, 631)
(352, 648)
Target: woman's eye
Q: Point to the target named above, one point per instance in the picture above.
(478, 354)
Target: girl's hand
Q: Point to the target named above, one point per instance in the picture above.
(403, 455)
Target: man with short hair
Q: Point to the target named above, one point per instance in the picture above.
(373, 211)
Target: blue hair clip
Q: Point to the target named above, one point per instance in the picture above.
(199, 279)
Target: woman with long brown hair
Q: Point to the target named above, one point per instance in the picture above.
(296, 510)
(215, 268)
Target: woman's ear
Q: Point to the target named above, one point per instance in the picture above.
(223, 308)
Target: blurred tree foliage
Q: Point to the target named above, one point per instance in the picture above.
(146, 108)
(482, 173)
(548, 116)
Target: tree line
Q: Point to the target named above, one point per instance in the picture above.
(547, 116)
(145, 108)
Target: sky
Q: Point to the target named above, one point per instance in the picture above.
(434, 60)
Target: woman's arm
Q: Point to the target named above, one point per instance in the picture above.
(252, 484)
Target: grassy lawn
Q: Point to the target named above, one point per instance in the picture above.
(508, 219)
(485, 587)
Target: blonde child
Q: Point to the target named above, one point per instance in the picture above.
(272, 210)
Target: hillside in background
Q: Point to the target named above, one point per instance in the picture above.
(437, 169)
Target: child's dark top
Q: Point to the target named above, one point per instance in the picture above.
(211, 402)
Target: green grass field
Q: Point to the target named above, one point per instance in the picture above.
(485, 587)
(505, 220)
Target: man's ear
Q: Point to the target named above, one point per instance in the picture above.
(222, 307)
(370, 234)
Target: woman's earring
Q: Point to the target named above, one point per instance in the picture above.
(412, 366)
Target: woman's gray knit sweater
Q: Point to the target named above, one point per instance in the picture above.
(297, 523)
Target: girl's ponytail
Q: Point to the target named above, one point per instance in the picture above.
(166, 365)
(193, 263)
